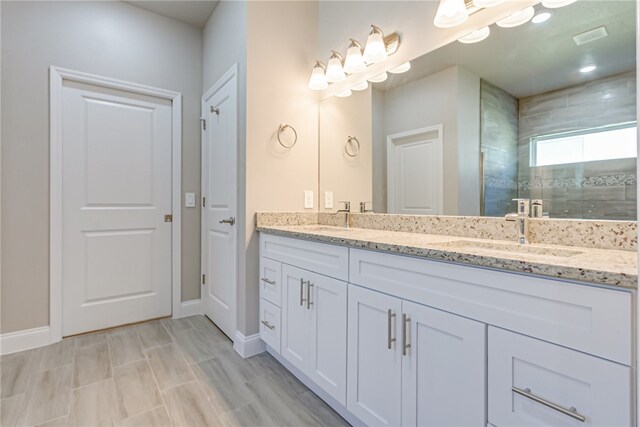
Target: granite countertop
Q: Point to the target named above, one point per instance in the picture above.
(601, 266)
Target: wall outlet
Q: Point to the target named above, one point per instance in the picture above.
(189, 200)
(328, 199)
(308, 199)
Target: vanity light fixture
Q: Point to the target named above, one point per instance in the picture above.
(475, 36)
(335, 73)
(375, 50)
(318, 80)
(541, 17)
(517, 18)
(587, 69)
(360, 86)
(379, 78)
(402, 68)
(354, 63)
(487, 3)
(344, 93)
(450, 13)
(554, 4)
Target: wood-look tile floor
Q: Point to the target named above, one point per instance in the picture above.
(168, 372)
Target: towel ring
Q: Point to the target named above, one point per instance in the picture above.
(349, 142)
(283, 127)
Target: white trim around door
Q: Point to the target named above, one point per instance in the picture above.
(56, 77)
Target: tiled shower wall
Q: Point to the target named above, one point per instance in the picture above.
(591, 190)
(499, 146)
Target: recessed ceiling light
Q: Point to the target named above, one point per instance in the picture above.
(517, 18)
(541, 17)
(475, 36)
(587, 69)
(402, 68)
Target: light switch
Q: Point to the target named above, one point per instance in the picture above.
(308, 199)
(328, 199)
(189, 200)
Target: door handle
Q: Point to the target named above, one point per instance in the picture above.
(390, 315)
(271, 282)
(309, 286)
(570, 412)
(267, 324)
(229, 221)
(405, 340)
(302, 299)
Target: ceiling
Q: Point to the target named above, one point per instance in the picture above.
(191, 12)
(538, 58)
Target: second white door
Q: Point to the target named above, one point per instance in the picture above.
(219, 190)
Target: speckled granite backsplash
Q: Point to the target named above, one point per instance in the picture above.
(620, 235)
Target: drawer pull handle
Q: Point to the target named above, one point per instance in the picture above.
(405, 340)
(267, 324)
(302, 299)
(390, 315)
(271, 282)
(571, 412)
(309, 303)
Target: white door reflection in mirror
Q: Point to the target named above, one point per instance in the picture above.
(414, 172)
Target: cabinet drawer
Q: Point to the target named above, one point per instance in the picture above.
(536, 383)
(573, 315)
(271, 281)
(330, 260)
(270, 316)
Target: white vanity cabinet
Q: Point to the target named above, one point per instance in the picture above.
(413, 365)
(313, 334)
(440, 344)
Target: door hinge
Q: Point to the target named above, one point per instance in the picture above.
(204, 123)
(204, 204)
(203, 279)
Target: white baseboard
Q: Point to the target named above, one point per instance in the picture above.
(248, 346)
(13, 342)
(189, 308)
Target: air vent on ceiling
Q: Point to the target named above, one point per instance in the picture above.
(591, 35)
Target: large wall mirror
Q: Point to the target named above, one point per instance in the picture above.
(545, 110)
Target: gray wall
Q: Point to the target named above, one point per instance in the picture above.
(112, 39)
(604, 189)
(499, 144)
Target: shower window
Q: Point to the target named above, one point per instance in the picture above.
(604, 143)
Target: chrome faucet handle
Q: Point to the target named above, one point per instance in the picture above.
(537, 208)
(363, 207)
(522, 206)
(347, 207)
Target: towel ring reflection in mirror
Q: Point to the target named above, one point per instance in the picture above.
(281, 129)
(352, 146)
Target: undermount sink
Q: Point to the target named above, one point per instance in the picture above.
(510, 248)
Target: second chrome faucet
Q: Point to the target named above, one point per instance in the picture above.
(347, 211)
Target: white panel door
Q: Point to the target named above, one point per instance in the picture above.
(374, 358)
(219, 188)
(296, 317)
(414, 172)
(443, 369)
(116, 191)
(328, 361)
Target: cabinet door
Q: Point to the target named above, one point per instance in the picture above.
(328, 306)
(443, 368)
(374, 359)
(534, 383)
(296, 318)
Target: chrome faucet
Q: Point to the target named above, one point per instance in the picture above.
(522, 220)
(347, 211)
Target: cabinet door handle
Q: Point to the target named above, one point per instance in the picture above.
(271, 282)
(405, 340)
(390, 339)
(309, 286)
(571, 412)
(267, 324)
(302, 300)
